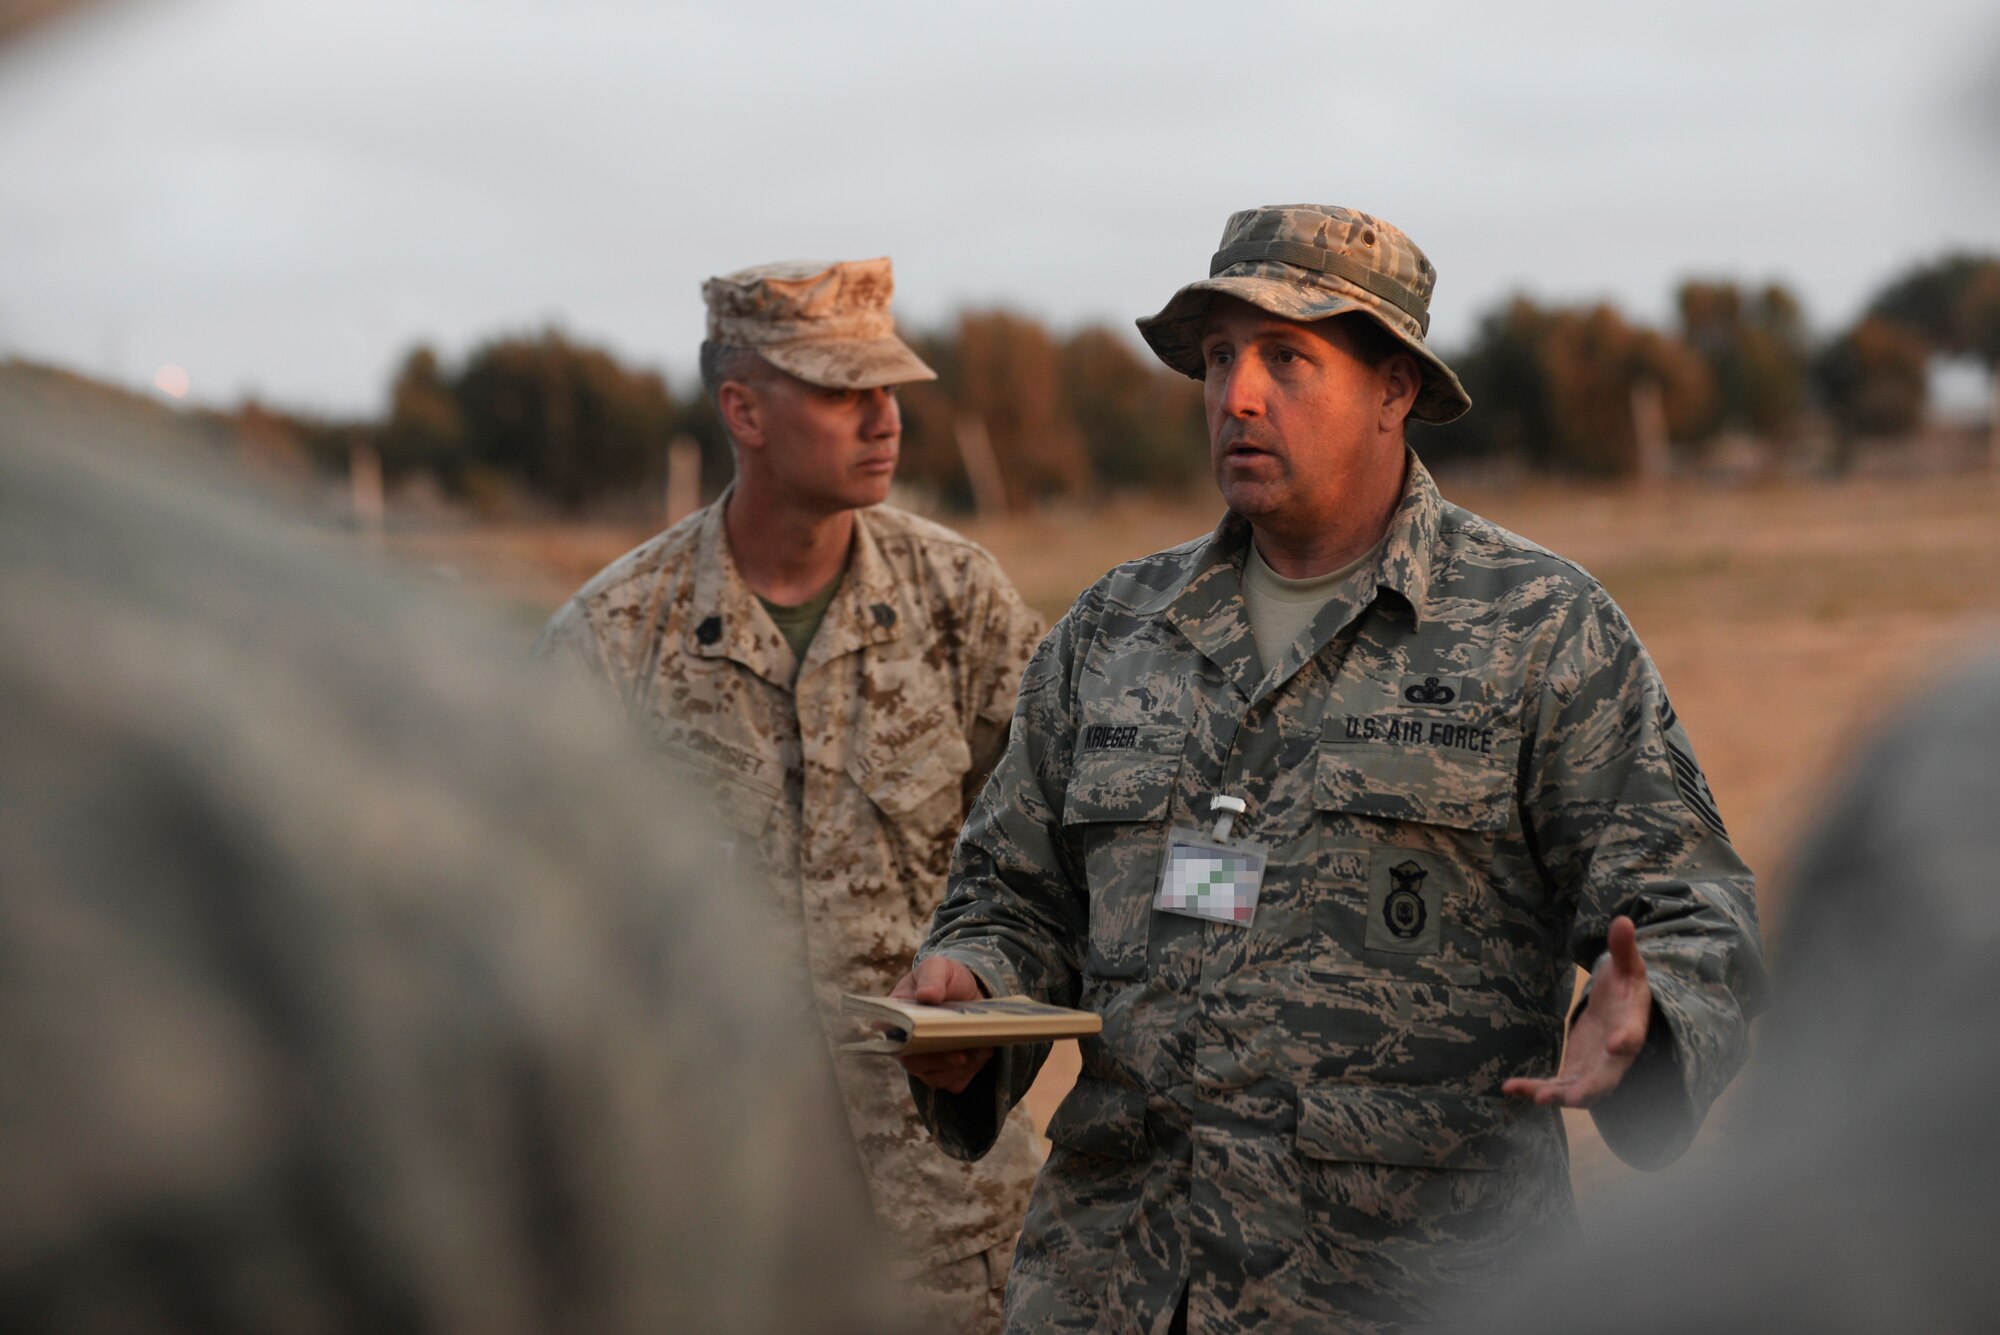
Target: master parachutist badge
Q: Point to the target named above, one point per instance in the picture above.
(1431, 692)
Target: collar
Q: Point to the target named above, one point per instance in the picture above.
(725, 619)
(1405, 566)
(866, 610)
(1206, 605)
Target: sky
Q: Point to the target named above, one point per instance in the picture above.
(281, 197)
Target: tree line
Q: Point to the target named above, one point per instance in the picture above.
(1021, 414)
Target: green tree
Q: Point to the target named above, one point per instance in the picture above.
(424, 432)
(1947, 303)
(1757, 351)
(1142, 425)
(564, 419)
(930, 455)
(1009, 375)
(1553, 389)
(1513, 415)
(1953, 305)
(698, 420)
(1873, 379)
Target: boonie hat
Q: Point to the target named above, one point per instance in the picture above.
(827, 324)
(1309, 262)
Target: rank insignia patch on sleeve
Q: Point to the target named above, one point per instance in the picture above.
(1688, 777)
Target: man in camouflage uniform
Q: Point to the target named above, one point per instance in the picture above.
(841, 674)
(1466, 779)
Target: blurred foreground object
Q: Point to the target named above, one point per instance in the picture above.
(352, 977)
(18, 17)
(1861, 1195)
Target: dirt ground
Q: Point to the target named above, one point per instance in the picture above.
(1787, 619)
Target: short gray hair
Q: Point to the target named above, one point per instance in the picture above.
(722, 362)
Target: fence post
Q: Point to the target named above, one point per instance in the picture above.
(982, 469)
(683, 478)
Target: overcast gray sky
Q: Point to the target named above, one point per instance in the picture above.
(281, 196)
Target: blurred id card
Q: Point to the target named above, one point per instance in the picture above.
(1211, 878)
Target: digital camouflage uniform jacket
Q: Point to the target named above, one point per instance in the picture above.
(1300, 1119)
(850, 783)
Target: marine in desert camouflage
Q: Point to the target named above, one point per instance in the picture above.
(1464, 773)
(842, 753)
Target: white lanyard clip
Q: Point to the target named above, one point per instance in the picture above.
(1231, 808)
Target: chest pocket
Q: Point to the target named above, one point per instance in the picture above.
(1115, 815)
(915, 786)
(902, 780)
(1408, 835)
(1437, 773)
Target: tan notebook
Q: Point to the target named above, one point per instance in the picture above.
(995, 1022)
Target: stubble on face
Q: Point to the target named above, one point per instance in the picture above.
(1305, 433)
(1289, 410)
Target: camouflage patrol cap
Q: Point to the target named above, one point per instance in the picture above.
(827, 324)
(1307, 262)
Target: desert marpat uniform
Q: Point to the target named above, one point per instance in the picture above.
(1464, 770)
(849, 775)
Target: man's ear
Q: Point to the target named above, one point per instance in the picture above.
(1401, 382)
(742, 413)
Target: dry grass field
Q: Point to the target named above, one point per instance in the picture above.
(1787, 619)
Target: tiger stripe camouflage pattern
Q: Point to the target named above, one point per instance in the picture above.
(1462, 775)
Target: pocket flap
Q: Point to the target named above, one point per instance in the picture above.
(1098, 1117)
(1133, 782)
(1421, 785)
(1411, 1128)
(899, 780)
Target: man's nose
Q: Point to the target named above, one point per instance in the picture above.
(1243, 384)
(880, 417)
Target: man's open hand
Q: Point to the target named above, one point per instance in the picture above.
(1607, 1037)
(933, 982)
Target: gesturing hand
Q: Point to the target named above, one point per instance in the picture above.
(933, 982)
(1608, 1035)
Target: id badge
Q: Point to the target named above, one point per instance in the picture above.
(1206, 877)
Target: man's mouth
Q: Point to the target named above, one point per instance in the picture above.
(1241, 438)
(1245, 449)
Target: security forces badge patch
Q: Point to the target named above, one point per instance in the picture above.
(1404, 908)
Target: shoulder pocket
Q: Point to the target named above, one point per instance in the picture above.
(1409, 1128)
(1121, 789)
(1425, 785)
(1098, 1117)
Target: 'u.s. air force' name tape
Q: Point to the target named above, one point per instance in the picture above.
(1403, 730)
